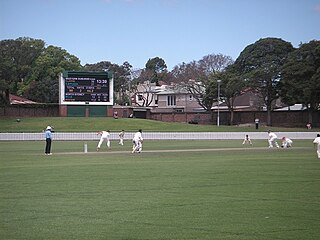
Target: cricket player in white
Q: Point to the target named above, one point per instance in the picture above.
(105, 136)
(137, 142)
(286, 142)
(121, 136)
(316, 141)
(247, 140)
(272, 139)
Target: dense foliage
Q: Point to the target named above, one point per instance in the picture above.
(270, 66)
(260, 64)
(300, 77)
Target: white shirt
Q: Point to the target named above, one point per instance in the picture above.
(272, 135)
(105, 134)
(287, 140)
(317, 141)
(121, 134)
(137, 136)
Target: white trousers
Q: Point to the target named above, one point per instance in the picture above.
(101, 141)
(273, 141)
(137, 146)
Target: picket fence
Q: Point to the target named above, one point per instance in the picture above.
(68, 136)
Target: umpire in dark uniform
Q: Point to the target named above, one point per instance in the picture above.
(48, 135)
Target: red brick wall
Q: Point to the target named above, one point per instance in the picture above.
(201, 118)
(123, 112)
(283, 118)
(63, 111)
(29, 111)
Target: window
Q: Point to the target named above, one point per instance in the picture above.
(171, 100)
(190, 97)
(140, 97)
(179, 110)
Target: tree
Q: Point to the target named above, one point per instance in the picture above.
(183, 72)
(121, 78)
(157, 67)
(200, 70)
(143, 88)
(194, 76)
(17, 58)
(145, 93)
(300, 77)
(43, 84)
(213, 63)
(231, 86)
(260, 64)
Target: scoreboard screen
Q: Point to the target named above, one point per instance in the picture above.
(86, 88)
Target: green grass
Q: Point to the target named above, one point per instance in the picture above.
(76, 124)
(236, 193)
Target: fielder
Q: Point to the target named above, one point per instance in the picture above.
(316, 141)
(105, 136)
(137, 142)
(286, 142)
(272, 139)
(121, 136)
(247, 140)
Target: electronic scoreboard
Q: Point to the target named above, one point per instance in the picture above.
(79, 88)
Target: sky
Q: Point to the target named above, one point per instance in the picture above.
(178, 31)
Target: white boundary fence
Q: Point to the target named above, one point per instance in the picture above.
(156, 136)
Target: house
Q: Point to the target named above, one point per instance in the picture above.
(295, 107)
(145, 95)
(177, 99)
(248, 101)
(14, 100)
(165, 98)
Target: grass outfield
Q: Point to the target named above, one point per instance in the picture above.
(93, 124)
(224, 191)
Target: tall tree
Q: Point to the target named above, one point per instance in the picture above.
(195, 76)
(301, 77)
(157, 67)
(185, 71)
(43, 84)
(17, 58)
(260, 64)
(194, 79)
(213, 63)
